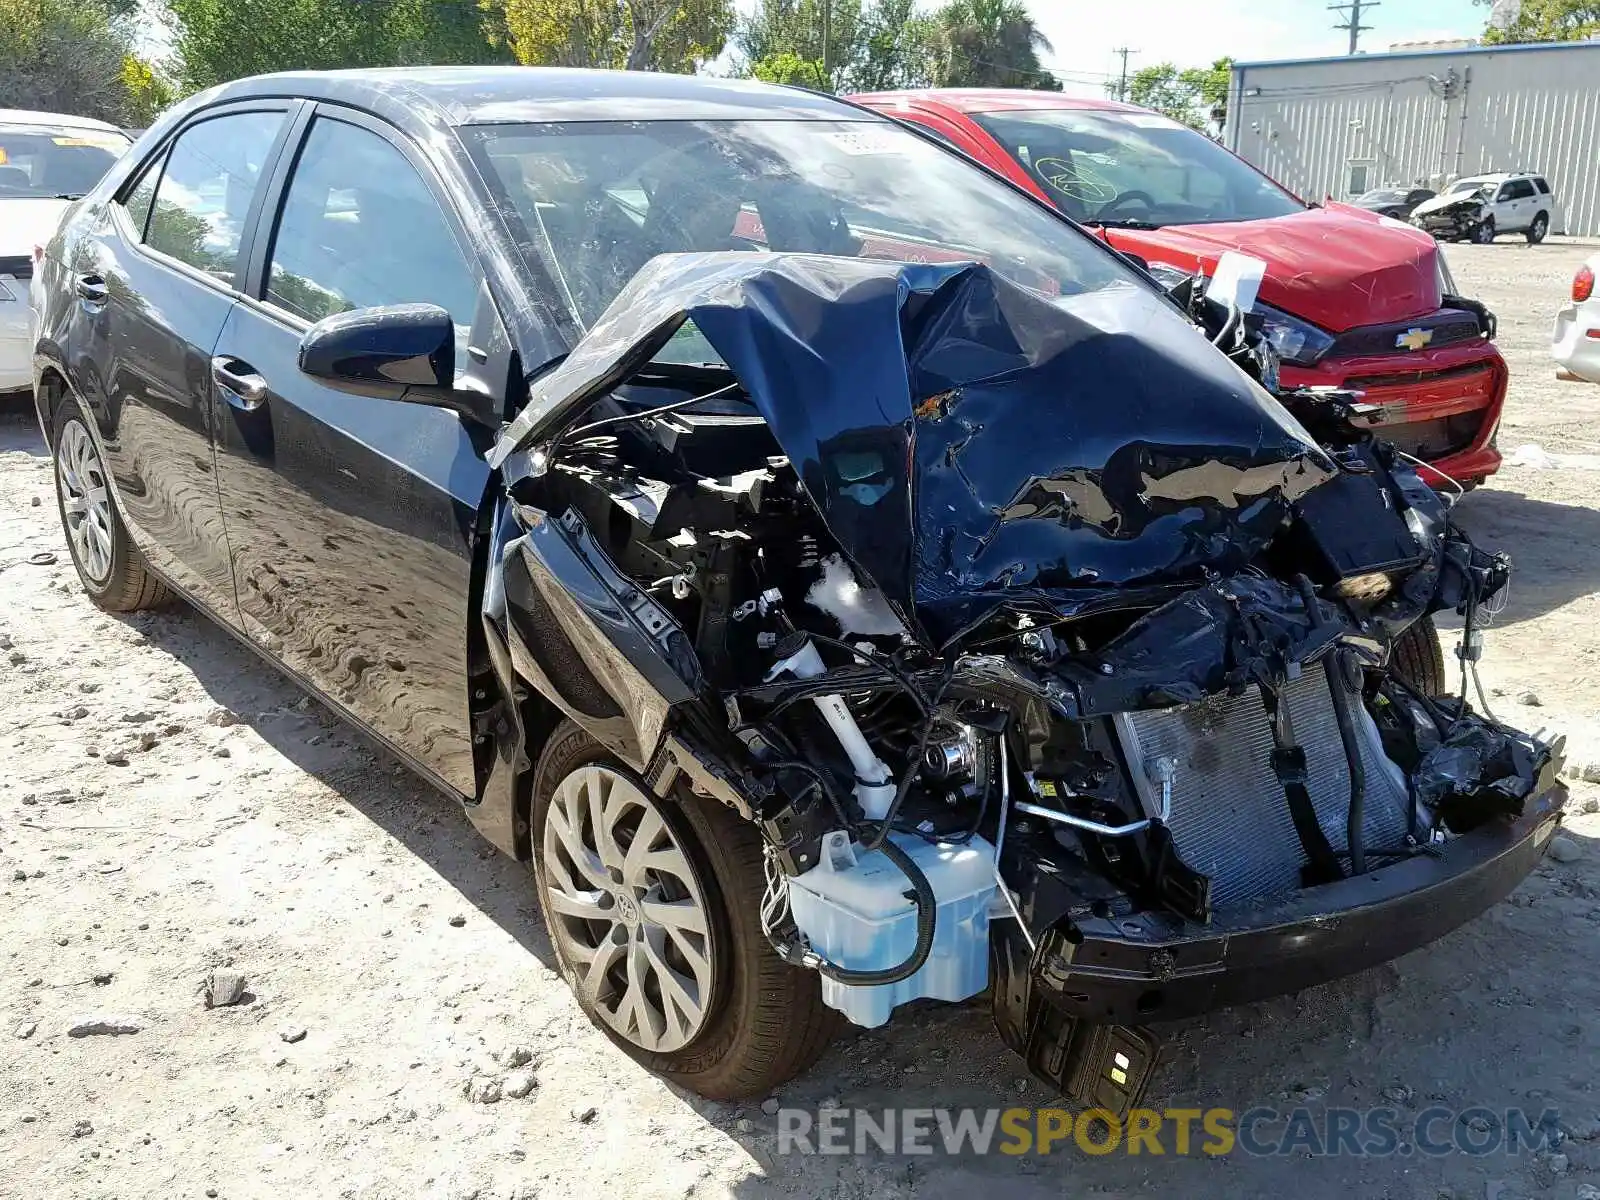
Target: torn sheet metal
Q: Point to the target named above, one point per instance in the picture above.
(968, 440)
(1224, 637)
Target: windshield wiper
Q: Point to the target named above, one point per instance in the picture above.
(1122, 223)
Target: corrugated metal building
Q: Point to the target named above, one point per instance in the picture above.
(1338, 126)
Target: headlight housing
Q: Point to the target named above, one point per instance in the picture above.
(1296, 341)
(1447, 281)
(1168, 275)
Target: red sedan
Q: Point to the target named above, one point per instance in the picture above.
(1350, 298)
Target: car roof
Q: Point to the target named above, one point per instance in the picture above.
(492, 95)
(1499, 177)
(990, 100)
(28, 116)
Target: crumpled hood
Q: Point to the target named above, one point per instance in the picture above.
(966, 439)
(1440, 203)
(28, 221)
(1339, 267)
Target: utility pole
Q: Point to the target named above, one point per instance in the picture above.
(1122, 83)
(1355, 8)
(827, 48)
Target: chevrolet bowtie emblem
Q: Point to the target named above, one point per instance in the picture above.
(1414, 339)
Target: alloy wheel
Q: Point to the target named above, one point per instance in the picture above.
(85, 502)
(629, 908)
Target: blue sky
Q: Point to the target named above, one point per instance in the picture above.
(1195, 32)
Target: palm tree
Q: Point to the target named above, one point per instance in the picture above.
(991, 43)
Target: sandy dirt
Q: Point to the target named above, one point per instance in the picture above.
(171, 807)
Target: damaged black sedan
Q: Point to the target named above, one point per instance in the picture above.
(846, 581)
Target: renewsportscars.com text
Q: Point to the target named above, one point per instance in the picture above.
(1330, 1132)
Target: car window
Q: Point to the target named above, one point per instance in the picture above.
(55, 161)
(139, 198)
(1541, 185)
(1110, 166)
(596, 200)
(361, 228)
(204, 195)
(1516, 189)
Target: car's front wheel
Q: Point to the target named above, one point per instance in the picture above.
(653, 908)
(1418, 658)
(109, 564)
(1484, 233)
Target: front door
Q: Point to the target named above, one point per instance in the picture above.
(1514, 206)
(352, 519)
(154, 288)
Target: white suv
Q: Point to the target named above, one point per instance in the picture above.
(47, 160)
(1481, 207)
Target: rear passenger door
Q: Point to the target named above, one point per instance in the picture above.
(352, 518)
(154, 285)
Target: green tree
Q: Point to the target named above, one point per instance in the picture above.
(790, 68)
(872, 45)
(895, 48)
(639, 35)
(148, 91)
(218, 40)
(1198, 97)
(990, 43)
(1547, 21)
(62, 56)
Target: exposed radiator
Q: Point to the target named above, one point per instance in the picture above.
(1230, 819)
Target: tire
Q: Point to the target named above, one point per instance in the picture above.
(1539, 230)
(109, 565)
(1484, 233)
(766, 1022)
(1418, 659)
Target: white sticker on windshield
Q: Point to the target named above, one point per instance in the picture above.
(867, 141)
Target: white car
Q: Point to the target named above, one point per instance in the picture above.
(1481, 207)
(1577, 335)
(47, 160)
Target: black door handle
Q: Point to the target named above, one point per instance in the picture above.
(241, 385)
(92, 288)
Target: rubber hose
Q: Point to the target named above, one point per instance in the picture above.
(927, 914)
(1355, 823)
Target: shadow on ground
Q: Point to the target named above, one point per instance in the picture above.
(363, 773)
(1549, 544)
(19, 427)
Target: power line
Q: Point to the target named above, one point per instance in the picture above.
(1353, 24)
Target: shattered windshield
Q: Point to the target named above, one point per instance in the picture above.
(44, 161)
(1134, 168)
(600, 199)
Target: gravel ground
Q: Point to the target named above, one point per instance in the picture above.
(172, 811)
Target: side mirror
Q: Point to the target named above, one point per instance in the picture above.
(379, 351)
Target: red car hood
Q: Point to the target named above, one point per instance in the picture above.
(1337, 267)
